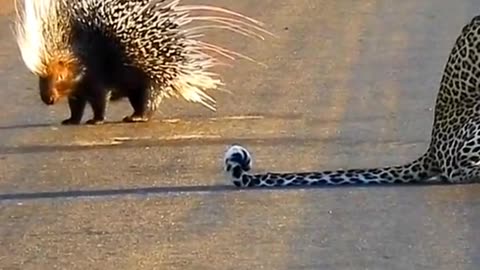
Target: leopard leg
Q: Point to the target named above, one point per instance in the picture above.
(466, 150)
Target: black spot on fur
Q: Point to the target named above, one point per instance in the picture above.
(464, 163)
(246, 180)
(472, 81)
(315, 176)
(319, 182)
(369, 176)
(384, 175)
(423, 175)
(355, 180)
(237, 171)
(237, 157)
(466, 65)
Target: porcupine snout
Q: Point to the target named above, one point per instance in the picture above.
(49, 100)
(48, 94)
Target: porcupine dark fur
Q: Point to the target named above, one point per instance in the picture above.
(93, 51)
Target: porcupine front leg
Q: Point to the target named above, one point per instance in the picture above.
(77, 107)
(141, 111)
(99, 102)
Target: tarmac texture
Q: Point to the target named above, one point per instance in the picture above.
(348, 84)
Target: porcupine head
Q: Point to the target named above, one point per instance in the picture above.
(43, 37)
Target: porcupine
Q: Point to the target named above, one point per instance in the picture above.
(94, 51)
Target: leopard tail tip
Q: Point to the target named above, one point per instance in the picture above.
(237, 162)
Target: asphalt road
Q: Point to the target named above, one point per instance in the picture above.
(349, 84)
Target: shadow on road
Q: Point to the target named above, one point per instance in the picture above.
(24, 126)
(182, 189)
(158, 142)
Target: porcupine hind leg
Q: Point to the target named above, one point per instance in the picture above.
(77, 106)
(139, 101)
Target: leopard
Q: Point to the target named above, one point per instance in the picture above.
(452, 156)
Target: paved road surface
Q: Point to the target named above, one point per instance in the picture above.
(349, 84)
